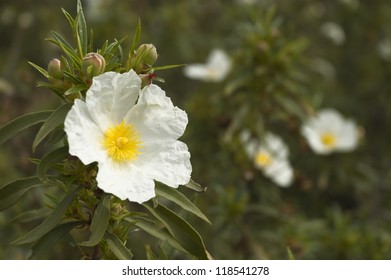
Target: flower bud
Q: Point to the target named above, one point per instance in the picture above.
(93, 64)
(149, 53)
(54, 68)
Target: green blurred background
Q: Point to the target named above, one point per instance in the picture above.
(338, 206)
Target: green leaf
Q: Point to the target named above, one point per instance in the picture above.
(50, 222)
(117, 247)
(136, 37)
(100, 221)
(19, 124)
(180, 199)
(12, 192)
(166, 67)
(49, 160)
(290, 254)
(181, 230)
(75, 89)
(31, 215)
(40, 69)
(69, 17)
(46, 242)
(159, 234)
(55, 119)
(195, 186)
(82, 29)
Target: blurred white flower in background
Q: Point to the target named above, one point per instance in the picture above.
(329, 132)
(216, 68)
(132, 135)
(270, 156)
(384, 49)
(334, 32)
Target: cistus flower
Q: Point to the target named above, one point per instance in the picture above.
(216, 68)
(132, 135)
(329, 132)
(271, 157)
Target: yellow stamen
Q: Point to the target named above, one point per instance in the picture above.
(328, 139)
(122, 142)
(263, 159)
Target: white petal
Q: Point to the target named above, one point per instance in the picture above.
(219, 61)
(167, 162)
(314, 140)
(155, 117)
(275, 146)
(84, 136)
(280, 172)
(348, 138)
(111, 96)
(196, 71)
(125, 181)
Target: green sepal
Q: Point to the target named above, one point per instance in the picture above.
(195, 186)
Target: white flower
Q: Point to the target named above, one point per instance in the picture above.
(133, 143)
(334, 32)
(271, 157)
(216, 68)
(329, 132)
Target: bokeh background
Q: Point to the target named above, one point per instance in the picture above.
(313, 54)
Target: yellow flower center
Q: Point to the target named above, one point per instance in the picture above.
(328, 139)
(122, 142)
(263, 159)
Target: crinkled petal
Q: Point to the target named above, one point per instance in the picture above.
(125, 181)
(167, 162)
(155, 117)
(111, 96)
(83, 134)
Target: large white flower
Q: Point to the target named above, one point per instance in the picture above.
(216, 68)
(133, 143)
(271, 157)
(329, 132)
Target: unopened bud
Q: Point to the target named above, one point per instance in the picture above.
(149, 53)
(54, 68)
(93, 64)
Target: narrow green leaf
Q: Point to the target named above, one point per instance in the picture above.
(55, 119)
(50, 222)
(70, 18)
(117, 247)
(31, 215)
(290, 254)
(181, 230)
(159, 234)
(19, 124)
(13, 191)
(136, 37)
(75, 89)
(166, 67)
(180, 199)
(100, 221)
(195, 186)
(49, 160)
(82, 28)
(40, 69)
(43, 246)
(59, 40)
